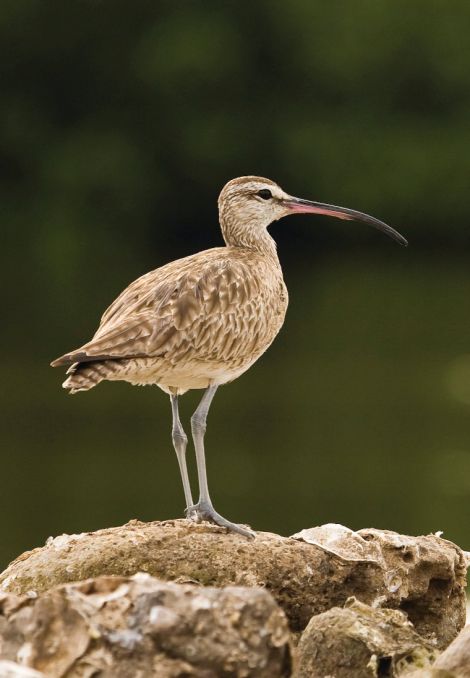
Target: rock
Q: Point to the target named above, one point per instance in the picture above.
(307, 575)
(361, 641)
(430, 673)
(407, 563)
(13, 670)
(456, 659)
(124, 627)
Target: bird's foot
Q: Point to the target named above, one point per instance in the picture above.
(191, 513)
(205, 511)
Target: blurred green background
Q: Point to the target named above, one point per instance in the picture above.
(120, 122)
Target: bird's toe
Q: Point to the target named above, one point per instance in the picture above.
(205, 511)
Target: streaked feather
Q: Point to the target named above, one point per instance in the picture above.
(194, 321)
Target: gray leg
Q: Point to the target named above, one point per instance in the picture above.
(180, 440)
(204, 509)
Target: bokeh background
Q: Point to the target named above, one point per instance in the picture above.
(119, 124)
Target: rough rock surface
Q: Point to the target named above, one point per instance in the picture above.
(128, 627)
(316, 570)
(431, 673)
(13, 670)
(361, 641)
(456, 659)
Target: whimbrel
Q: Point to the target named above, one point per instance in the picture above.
(202, 321)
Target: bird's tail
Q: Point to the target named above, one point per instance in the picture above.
(83, 376)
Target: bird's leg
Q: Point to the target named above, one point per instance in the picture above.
(180, 440)
(204, 509)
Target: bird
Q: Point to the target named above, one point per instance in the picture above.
(201, 321)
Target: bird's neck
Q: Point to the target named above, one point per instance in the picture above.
(238, 234)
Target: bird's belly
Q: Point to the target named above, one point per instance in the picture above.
(182, 376)
(221, 358)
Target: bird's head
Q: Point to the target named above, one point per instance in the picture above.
(248, 205)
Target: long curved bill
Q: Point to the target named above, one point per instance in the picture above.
(308, 206)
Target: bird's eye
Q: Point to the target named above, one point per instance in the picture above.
(265, 193)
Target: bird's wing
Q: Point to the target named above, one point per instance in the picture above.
(193, 306)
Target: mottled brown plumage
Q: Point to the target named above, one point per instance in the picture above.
(195, 321)
(201, 321)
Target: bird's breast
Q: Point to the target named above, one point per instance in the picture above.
(247, 328)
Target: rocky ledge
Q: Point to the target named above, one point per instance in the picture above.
(177, 598)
